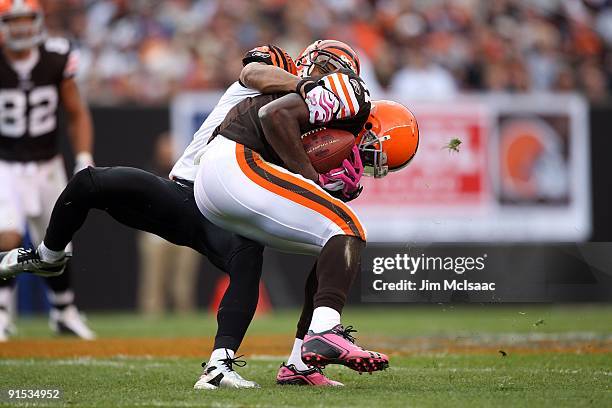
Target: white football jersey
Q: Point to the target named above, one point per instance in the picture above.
(186, 168)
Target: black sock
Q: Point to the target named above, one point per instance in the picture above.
(337, 267)
(239, 302)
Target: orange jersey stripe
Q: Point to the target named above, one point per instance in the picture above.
(290, 195)
(347, 95)
(314, 190)
(295, 196)
(332, 82)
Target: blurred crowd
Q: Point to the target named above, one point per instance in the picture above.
(146, 50)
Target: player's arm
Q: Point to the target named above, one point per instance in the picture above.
(281, 120)
(79, 122)
(268, 79)
(269, 69)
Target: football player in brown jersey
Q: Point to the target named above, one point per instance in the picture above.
(36, 80)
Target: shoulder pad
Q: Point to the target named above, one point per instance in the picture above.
(57, 45)
(351, 91)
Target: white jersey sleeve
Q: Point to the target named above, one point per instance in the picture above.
(186, 168)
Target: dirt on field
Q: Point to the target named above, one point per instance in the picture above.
(280, 345)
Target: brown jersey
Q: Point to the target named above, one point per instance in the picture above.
(243, 126)
(29, 111)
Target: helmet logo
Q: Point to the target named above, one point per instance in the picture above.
(261, 54)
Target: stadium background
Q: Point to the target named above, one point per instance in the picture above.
(139, 57)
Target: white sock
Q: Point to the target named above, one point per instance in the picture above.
(221, 353)
(324, 318)
(296, 356)
(49, 255)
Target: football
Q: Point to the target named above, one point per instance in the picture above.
(327, 148)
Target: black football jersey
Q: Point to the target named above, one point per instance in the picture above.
(29, 103)
(243, 126)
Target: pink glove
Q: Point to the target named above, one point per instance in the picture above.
(345, 178)
(330, 181)
(353, 172)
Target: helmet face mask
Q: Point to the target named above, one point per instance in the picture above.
(328, 56)
(372, 154)
(322, 59)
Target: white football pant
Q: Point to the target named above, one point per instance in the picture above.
(239, 191)
(28, 192)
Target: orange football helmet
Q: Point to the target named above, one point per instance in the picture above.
(21, 35)
(329, 56)
(389, 140)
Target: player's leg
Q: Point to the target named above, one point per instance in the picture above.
(176, 218)
(7, 297)
(64, 317)
(236, 189)
(12, 224)
(133, 197)
(327, 341)
(146, 202)
(8, 240)
(295, 371)
(236, 310)
(251, 204)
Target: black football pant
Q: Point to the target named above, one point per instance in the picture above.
(166, 208)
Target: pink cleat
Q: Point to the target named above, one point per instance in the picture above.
(337, 346)
(289, 375)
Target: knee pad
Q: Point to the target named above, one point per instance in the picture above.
(81, 186)
(84, 178)
(349, 246)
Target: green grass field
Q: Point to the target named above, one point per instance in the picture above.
(446, 356)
